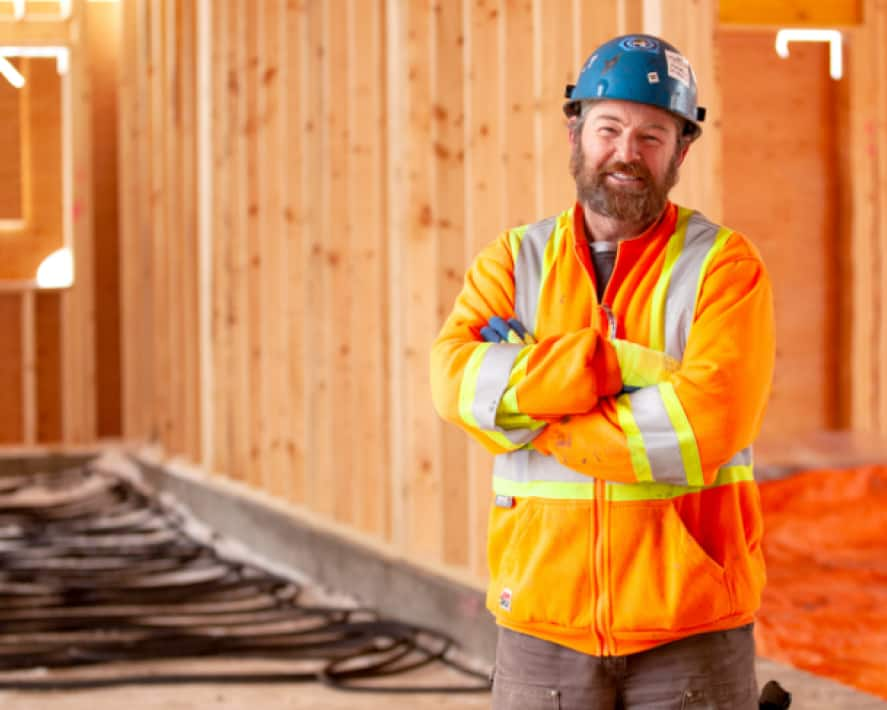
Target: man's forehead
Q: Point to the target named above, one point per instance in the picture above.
(630, 112)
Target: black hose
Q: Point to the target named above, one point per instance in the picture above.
(94, 570)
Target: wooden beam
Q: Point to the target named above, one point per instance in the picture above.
(206, 47)
(448, 136)
(173, 164)
(789, 13)
(104, 67)
(11, 369)
(366, 186)
(250, 239)
(342, 234)
(158, 238)
(127, 197)
(78, 324)
(188, 100)
(316, 403)
(143, 254)
(296, 48)
(273, 293)
(50, 397)
(29, 369)
(40, 33)
(239, 405)
(221, 218)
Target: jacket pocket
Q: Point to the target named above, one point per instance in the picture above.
(539, 555)
(661, 578)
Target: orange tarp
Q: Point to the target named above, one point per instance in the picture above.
(825, 604)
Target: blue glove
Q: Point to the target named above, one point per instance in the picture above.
(500, 331)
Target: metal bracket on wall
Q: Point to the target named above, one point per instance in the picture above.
(833, 37)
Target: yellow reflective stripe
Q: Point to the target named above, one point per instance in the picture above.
(684, 432)
(552, 247)
(663, 491)
(734, 474)
(616, 492)
(544, 489)
(508, 415)
(519, 367)
(660, 291)
(721, 239)
(517, 420)
(467, 390)
(515, 238)
(636, 448)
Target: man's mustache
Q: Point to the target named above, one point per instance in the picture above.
(633, 169)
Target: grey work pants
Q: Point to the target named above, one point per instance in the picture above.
(712, 670)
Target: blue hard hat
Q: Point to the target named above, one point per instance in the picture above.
(643, 69)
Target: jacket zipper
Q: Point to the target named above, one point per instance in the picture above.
(601, 559)
(602, 532)
(600, 616)
(599, 529)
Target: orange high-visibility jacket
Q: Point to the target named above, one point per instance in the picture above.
(620, 521)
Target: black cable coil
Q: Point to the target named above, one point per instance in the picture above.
(94, 569)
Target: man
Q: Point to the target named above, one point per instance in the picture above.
(617, 359)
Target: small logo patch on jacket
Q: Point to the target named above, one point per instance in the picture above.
(505, 599)
(504, 501)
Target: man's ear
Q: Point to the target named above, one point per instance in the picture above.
(684, 149)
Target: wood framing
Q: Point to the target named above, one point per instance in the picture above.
(306, 183)
(791, 13)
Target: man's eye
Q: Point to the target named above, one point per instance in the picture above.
(651, 139)
(607, 130)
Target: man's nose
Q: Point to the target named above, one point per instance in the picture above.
(627, 148)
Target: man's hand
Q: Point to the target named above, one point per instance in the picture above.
(642, 366)
(498, 330)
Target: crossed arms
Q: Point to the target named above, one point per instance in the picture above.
(565, 395)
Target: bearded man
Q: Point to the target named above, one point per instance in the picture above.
(617, 359)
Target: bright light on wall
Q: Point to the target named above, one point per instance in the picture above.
(833, 37)
(11, 74)
(57, 270)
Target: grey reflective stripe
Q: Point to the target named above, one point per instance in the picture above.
(742, 458)
(527, 465)
(492, 381)
(680, 300)
(660, 439)
(528, 271)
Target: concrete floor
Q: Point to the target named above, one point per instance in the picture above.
(810, 693)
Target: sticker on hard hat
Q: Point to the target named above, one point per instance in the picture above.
(653, 77)
(678, 67)
(645, 43)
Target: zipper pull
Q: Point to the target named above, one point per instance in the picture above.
(611, 320)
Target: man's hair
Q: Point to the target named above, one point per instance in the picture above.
(685, 137)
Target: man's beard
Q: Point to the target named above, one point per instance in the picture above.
(629, 205)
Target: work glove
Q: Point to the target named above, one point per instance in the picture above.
(642, 366)
(498, 330)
